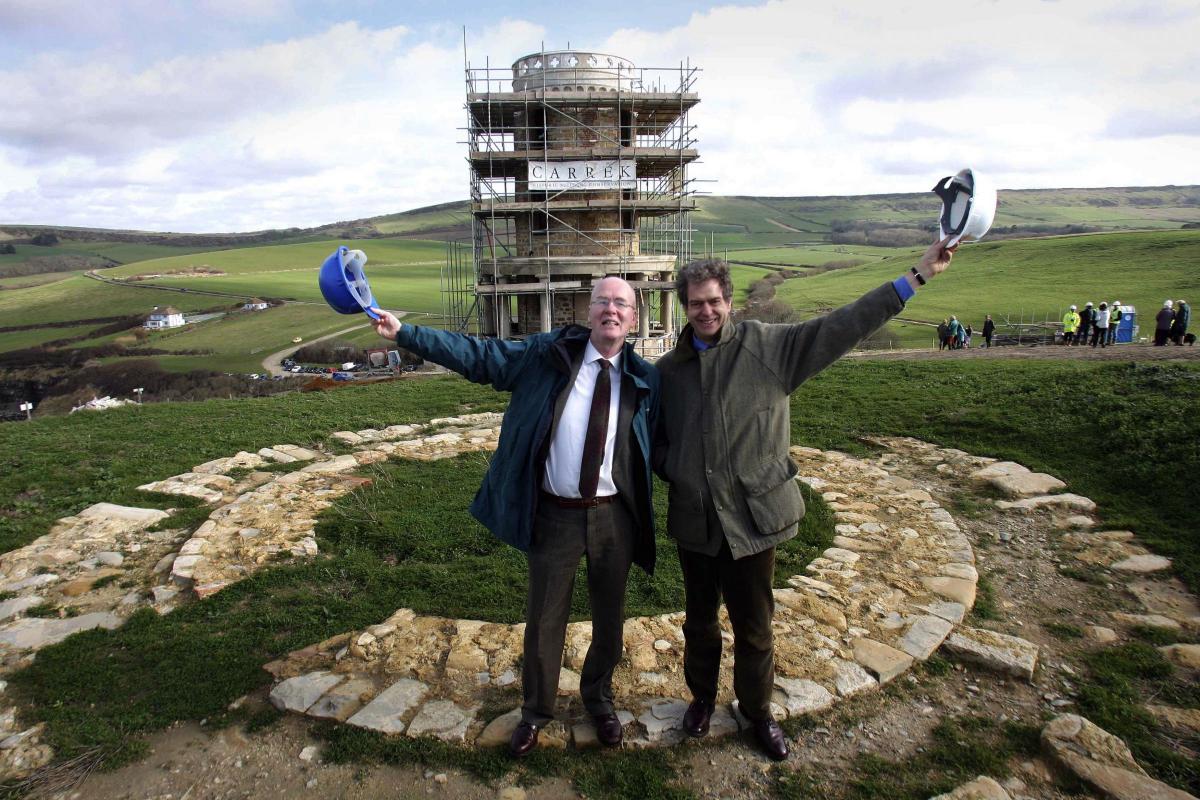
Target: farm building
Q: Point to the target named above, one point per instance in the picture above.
(164, 317)
(578, 168)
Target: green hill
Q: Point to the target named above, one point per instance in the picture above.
(1031, 278)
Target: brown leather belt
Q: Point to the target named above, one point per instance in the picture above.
(577, 502)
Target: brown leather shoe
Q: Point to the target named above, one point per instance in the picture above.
(524, 739)
(771, 737)
(608, 729)
(697, 717)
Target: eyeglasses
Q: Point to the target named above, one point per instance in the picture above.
(620, 303)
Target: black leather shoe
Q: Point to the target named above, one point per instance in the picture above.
(524, 739)
(771, 737)
(696, 718)
(608, 729)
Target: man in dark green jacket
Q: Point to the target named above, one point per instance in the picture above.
(570, 477)
(724, 433)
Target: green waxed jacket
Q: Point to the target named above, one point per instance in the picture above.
(725, 422)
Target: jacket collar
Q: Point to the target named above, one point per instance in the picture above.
(686, 349)
(572, 340)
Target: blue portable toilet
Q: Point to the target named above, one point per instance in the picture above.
(1127, 328)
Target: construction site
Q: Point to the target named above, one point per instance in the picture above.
(578, 170)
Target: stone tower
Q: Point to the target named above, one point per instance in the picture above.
(578, 165)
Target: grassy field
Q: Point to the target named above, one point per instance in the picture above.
(241, 340)
(1032, 277)
(403, 273)
(107, 689)
(79, 297)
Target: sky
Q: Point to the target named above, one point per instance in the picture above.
(239, 115)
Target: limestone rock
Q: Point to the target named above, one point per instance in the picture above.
(850, 679)
(1183, 655)
(1102, 761)
(34, 633)
(1064, 501)
(982, 788)
(998, 651)
(385, 712)
(885, 662)
(1187, 719)
(663, 721)
(1016, 480)
(924, 636)
(299, 693)
(443, 719)
(340, 702)
(957, 590)
(801, 696)
(498, 731)
(1143, 563)
(1148, 620)
(1100, 634)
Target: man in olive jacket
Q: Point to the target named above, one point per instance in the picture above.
(722, 444)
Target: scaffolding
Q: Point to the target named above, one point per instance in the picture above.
(578, 168)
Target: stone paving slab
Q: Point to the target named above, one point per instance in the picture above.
(900, 576)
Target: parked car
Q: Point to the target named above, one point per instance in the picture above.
(343, 376)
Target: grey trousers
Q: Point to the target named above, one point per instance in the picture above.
(561, 536)
(745, 584)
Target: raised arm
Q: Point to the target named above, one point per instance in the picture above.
(487, 361)
(801, 351)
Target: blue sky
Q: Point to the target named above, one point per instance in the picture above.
(246, 114)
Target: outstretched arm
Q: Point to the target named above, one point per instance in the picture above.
(803, 350)
(488, 361)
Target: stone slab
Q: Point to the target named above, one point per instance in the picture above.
(442, 719)
(1008, 654)
(982, 788)
(385, 712)
(957, 590)
(883, 661)
(343, 700)
(34, 633)
(924, 636)
(800, 696)
(1143, 564)
(849, 678)
(299, 693)
(1102, 761)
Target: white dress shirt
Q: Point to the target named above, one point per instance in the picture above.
(566, 449)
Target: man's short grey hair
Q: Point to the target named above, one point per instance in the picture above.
(706, 269)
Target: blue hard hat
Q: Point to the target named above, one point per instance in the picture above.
(344, 284)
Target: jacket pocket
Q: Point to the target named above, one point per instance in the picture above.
(773, 496)
(686, 520)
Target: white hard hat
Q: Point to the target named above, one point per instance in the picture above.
(1116, 302)
(1166, 303)
(1072, 308)
(968, 206)
(1089, 302)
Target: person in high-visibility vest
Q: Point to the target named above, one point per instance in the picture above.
(1114, 317)
(1070, 325)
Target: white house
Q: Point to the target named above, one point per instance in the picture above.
(254, 304)
(164, 317)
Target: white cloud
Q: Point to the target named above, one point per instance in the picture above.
(353, 119)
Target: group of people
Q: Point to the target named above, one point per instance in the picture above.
(1095, 323)
(953, 335)
(587, 423)
(1171, 323)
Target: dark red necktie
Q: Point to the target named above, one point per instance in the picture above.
(597, 432)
